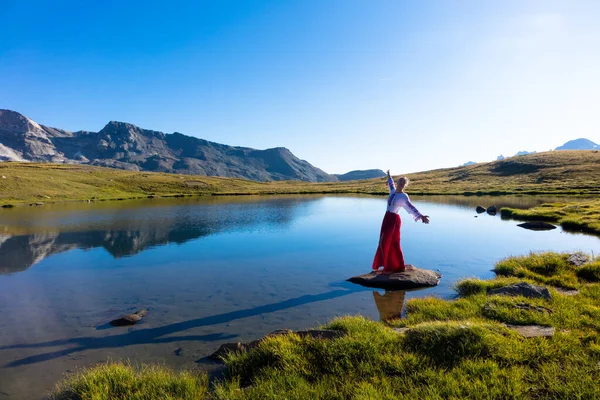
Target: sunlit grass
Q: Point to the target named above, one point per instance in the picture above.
(123, 381)
(561, 172)
(452, 349)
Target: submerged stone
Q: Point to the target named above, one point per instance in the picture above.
(537, 226)
(129, 319)
(409, 279)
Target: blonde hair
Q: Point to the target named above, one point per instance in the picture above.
(401, 180)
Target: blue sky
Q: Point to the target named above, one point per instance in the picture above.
(347, 84)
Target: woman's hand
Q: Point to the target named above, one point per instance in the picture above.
(425, 219)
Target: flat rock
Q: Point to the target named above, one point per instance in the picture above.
(537, 226)
(566, 292)
(226, 348)
(523, 289)
(409, 279)
(578, 259)
(532, 330)
(129, 319)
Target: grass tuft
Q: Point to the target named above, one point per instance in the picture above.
(123, 381)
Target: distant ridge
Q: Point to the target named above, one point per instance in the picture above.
(579, 144)
(126, 146)
(360, 174)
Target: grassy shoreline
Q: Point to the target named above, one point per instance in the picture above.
(461, 348)
(553, 173)
(580, 216)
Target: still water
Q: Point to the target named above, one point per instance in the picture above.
(215, 270)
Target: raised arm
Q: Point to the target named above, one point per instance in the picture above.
(390, 182)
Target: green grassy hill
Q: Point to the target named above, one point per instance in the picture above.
(566, 172)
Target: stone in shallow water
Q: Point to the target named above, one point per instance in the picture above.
(523, 289)
(537, 226)
(129, 319)
(409, 279)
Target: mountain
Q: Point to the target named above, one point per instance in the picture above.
(579, 144)
(360, 174)
(468, 163)
(524, 153)
(126, 146)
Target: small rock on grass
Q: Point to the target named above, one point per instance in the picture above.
(523, 289)
(532, 330)
(578, 259)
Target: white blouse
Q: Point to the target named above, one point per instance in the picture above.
(398, 200)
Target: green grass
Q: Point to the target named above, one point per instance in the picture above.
(573, 216)
(122, 381)
(452, 349)
(560, 172)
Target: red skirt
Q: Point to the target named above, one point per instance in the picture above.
(389, 254)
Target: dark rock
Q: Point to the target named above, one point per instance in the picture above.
(409, 279)
(178, 351)
(537, 226)
(492, 210)
(480, 209)
(129, 319)
(322, 334)
(7, 205)
(578, 259)
(523, 289)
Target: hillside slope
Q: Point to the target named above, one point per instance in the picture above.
(567, 172)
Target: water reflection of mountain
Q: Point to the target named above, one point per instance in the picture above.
(125, 232)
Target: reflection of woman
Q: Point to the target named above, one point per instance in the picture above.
(389, 253)
(390, 304)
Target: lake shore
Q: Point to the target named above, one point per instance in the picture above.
(463, 348)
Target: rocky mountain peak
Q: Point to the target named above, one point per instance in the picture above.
(16, 123)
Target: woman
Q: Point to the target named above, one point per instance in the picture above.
(389, 254)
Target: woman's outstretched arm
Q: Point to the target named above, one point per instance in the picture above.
(412, 210)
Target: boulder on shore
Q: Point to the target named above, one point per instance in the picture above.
(480, 209)
(523, 289)
(129, 319)
(492, 210)
(537, 226)
(409, 279)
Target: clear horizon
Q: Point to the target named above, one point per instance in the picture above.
(345, 85)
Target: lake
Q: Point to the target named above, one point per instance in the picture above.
(215, 270)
